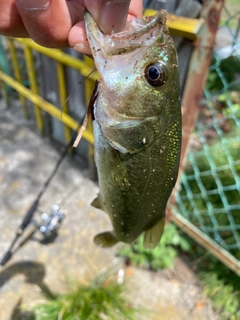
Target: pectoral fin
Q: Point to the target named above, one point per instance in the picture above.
(105, 239)
(153, 235)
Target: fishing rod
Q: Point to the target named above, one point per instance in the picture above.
(29, 215)
(51, 222)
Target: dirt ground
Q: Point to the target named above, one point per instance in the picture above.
(36, 267)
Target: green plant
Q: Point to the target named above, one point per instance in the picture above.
(202, 188)
(222, 73)
(102, 299)
(162, 256)
(225, 300)
(220, 284)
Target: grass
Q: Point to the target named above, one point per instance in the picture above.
(225, 299)
(222, 73)
(232, 7)
(100, 300)
(220, 284)
(162, 256)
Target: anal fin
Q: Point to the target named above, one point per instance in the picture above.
(105, 239)
(153, 235)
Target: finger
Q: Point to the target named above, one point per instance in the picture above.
(110, 15)
(11, 23)
(135, 9)
(77, 36)
(48, 22)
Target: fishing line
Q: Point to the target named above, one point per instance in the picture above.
(74, 89)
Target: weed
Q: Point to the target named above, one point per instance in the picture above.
(101, 300)
(222, 74)
(225, 300)
(162, 256)
(221, 285)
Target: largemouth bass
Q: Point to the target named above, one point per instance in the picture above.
(137, 127)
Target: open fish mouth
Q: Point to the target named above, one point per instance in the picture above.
(132, 69)
(138, 33)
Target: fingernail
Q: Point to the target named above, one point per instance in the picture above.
(34, 4)
(113, 16)
(83, 48)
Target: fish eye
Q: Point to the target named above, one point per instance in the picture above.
(156, 74)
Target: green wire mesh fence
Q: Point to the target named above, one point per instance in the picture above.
(209, 195)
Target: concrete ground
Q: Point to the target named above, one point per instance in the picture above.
(26, 160)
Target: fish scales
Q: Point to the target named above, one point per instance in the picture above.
(137, 127)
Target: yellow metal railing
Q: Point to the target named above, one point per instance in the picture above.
(33, 84)
(85, 68)
(17, 74)
(181, 26)
(44, 105)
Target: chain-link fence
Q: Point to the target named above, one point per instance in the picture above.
(209, 196)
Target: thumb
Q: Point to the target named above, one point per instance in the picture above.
(110, 15)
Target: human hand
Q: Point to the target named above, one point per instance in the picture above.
(59, 23)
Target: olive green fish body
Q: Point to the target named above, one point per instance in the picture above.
(137, 128)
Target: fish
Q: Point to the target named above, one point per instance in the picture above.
(136, 127)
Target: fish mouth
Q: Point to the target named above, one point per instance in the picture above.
(137, 34)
